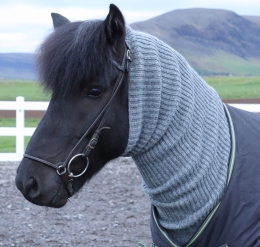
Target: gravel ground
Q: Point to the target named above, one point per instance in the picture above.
(111, 210)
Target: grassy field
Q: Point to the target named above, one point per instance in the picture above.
(30, 90)
(10, 122)
(227, 87)
(236, 87)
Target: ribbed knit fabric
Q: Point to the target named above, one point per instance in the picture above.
(179, 136)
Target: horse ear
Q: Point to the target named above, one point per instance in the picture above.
(115, 25)
(58, 20)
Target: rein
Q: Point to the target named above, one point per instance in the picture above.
(63, 168)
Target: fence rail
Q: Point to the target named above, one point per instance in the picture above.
(20, 131)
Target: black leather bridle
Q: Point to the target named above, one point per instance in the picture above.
(63, 168)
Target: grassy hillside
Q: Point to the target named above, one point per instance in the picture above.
(254, 19)
(214, 42)
(223, 63)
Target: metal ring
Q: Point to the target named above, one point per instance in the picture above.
(70, 173)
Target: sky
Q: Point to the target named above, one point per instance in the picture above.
(25, 23)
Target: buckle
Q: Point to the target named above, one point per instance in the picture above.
(128, 55)
(93, 142)
(61, 170)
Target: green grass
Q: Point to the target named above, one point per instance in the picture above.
(7, 143)
(228, 87)
(236, 87)
(32, 91)
(11, 122)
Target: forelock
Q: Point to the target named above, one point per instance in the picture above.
(72, 55)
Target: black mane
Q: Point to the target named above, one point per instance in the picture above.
(72, 55)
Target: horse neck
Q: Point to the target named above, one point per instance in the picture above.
(179, 135)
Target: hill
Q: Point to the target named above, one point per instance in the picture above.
(17, 66)
(254, 19)
(213, 41)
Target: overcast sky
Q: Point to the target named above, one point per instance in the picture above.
(24, 23)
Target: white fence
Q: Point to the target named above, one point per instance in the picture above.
(20, 131)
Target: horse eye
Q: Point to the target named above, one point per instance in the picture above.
(94, 93)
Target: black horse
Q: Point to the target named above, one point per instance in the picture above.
(81, 76)
(118, 92)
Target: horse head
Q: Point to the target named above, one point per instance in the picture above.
(85, 66)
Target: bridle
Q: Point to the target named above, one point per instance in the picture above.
(63, 168)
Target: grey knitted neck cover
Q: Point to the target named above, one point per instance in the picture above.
(179, 136)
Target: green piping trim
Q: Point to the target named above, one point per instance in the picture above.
(202, 228)
(164, 233)
(210, 216)
(233, 143)
(231, 166)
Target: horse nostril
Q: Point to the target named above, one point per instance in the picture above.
(31, 188)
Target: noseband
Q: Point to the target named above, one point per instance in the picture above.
(63, 168)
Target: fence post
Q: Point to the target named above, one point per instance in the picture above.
(20, 126)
